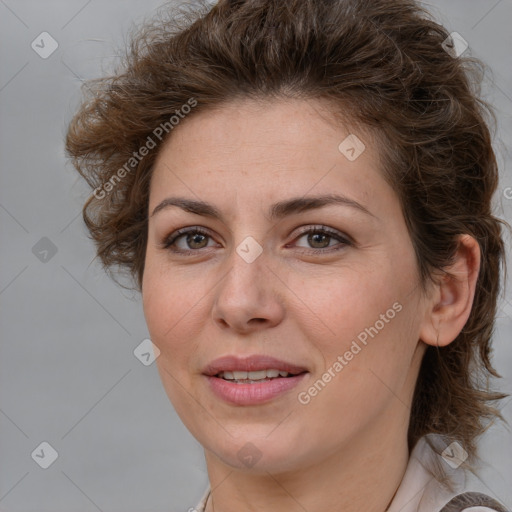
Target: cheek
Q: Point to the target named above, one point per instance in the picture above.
(342, 304)
(375, 350)
(368, 318)
(168, 308)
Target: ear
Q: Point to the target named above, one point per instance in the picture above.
(449, 305)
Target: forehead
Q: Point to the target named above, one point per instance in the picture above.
(280, 126)
(268, 148)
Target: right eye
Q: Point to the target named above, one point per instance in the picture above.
(192, 236)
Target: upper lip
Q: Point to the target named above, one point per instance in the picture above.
(250, 364)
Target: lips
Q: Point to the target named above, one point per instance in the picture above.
(240, 381)
(250, 364)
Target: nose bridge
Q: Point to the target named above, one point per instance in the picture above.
(247, 291)
(249, 250)
(247, 267)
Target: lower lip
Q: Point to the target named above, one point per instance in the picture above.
(250, 394)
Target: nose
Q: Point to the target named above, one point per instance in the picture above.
(250, 295)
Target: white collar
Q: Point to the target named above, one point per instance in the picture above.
(428, 482)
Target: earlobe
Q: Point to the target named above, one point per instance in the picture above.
(449, 306)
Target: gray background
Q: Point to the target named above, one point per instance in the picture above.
(68, 375)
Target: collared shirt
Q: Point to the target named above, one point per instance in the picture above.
(430, 480)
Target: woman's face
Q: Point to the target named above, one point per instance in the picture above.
(343, 306)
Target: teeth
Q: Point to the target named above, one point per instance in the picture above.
(259, 375)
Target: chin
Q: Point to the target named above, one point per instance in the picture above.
(258, 454)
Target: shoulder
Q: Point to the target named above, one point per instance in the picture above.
(432, 484)
(473, 502)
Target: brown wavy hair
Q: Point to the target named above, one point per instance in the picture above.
(383, 66)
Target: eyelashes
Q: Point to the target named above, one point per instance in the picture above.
(190, 237)
(170, 241)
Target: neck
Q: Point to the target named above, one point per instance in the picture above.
(364, 473)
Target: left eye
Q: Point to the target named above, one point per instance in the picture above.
(317, 237)
(197, 238)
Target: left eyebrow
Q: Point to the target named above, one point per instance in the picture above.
(277, 211)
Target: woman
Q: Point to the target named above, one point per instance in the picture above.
(327, 338)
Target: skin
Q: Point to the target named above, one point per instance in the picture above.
(347, 448)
